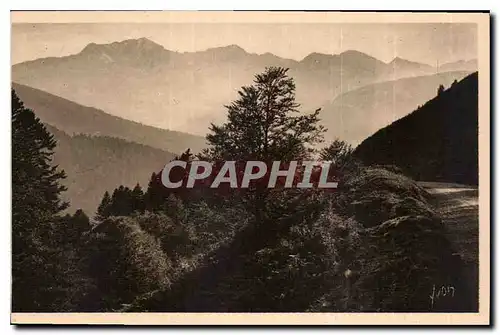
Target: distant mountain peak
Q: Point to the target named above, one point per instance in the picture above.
(90, 48)
(354, 53)
(358, 57)
(235, 47)
(232, 48)
(140, 52)
(462, 62)
(123, 46)
(143, 42)
(401, 61)
(316, 57)
(466, 65)
(268, 54)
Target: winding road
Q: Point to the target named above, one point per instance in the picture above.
(458, 207)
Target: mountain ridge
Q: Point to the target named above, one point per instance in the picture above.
(436, 142)
(143, 41)
(74, 119)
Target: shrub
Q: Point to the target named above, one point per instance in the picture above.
(126, 261)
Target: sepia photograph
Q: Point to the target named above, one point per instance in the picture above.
(238, 167)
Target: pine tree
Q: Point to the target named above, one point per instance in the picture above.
(36, 204)
(104, 207)
(338, 152)
(80, 223)
(73, 227)
(137, 198)
(156, 193)
(121, 202)
(440, 90)
(186, 156)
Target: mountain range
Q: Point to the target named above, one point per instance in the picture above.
(141, 81)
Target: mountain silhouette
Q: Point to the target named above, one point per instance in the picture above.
(437, 142)
(399, 64)
(461, 65)
(140, 80)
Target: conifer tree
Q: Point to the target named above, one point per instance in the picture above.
(156, 195)
(137, 198)
(440, 90)
(338, 152)
(36, 204)
(153, 197)
(104, 207)
(74, 226)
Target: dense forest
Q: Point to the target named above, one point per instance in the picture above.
(95, 164)
(376, 244)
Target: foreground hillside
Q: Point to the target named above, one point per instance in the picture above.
(95, 164)
(376, 246)
(437, 142)
(73, 118)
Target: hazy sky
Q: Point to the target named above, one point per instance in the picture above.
(423, 42)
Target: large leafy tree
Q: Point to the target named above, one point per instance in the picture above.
(36, 204)
(264, 123)
(125, 262)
